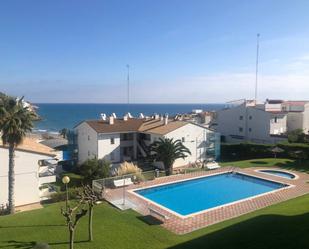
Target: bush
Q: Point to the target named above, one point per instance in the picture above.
(76, 180)
(244, 151)
(297, 136)
(94, 169)
(127, 168)
(61, 196)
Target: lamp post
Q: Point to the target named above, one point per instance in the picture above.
(66, 180)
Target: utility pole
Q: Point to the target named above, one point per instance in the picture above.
(128, 85)
(256, 66)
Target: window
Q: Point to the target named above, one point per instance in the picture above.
(112, 157)
(241, 117)
(276, 120)
(183, 139)
(240, 129)
(250, 129)
(112, 140)
(250, 117)
(88, 137)
(88, 153)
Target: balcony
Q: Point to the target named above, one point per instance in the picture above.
(47, 179)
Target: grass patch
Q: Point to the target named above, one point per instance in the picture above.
(292, 164)
(280, 226)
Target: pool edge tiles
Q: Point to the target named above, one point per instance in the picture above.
(207, 209)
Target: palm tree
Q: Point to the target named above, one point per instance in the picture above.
(167, 151)
(63, 132)
(15, 121)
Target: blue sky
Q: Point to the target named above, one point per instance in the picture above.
(179, 51)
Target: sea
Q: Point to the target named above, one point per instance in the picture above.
(55, 117)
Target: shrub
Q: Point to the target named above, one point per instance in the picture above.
(127, 168)
(93, 169)
(76, 180)
(245, 151)
(61, 196)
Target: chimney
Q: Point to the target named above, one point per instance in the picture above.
(141, 116)
(161, 117)
(114, 115)
(166, 119)
(125, 117)
(156, 116)
(103, 116)
(129, 115)
(111, 120)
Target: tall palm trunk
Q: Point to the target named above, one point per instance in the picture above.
(11, 178)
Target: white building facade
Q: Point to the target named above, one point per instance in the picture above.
(245, 123)
(127, 139)
(30, 172)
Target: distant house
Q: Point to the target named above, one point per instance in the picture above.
(126, 139)
(298, 115)
(250, 122)
(35, 165)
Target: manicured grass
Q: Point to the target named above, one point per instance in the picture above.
(300, 165)
(280, 226)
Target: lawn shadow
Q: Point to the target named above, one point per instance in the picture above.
(31, 244)
(298, 165)
(23, 226)
(262, 232)
(150, 220)
(259, 162)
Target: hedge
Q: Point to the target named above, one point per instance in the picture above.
(244, 151)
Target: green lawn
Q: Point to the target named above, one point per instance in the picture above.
(285, 225)
(284, 163)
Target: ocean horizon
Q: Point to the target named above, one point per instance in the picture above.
(56, 116)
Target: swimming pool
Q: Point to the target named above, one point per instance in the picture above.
(278, 173)
(195, 195)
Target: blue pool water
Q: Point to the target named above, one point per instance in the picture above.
(279, 173)
(203, 193)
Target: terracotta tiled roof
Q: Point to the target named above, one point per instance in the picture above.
(120, 125)
(32, 145)
(156, 126)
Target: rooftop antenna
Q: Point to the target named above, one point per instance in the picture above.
(256, 66)
(128, 85)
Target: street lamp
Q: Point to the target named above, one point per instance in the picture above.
(66, 181)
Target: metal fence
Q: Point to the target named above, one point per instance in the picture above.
(101, 185)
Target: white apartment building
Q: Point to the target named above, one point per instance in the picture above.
(35, 165)
(127, 139)
(298, 115)
(247, 122)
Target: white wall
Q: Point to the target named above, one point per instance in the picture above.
(278, 124)
(105, 148)
(255, 124)
(87, 142)
(306, 119)
(26, 177)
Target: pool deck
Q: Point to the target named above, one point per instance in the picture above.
(183, 225)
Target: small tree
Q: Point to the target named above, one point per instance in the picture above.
(64, 132)
(168, 151)
(296, 136)
(72, 216)
(93, 169)
(90, 198)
